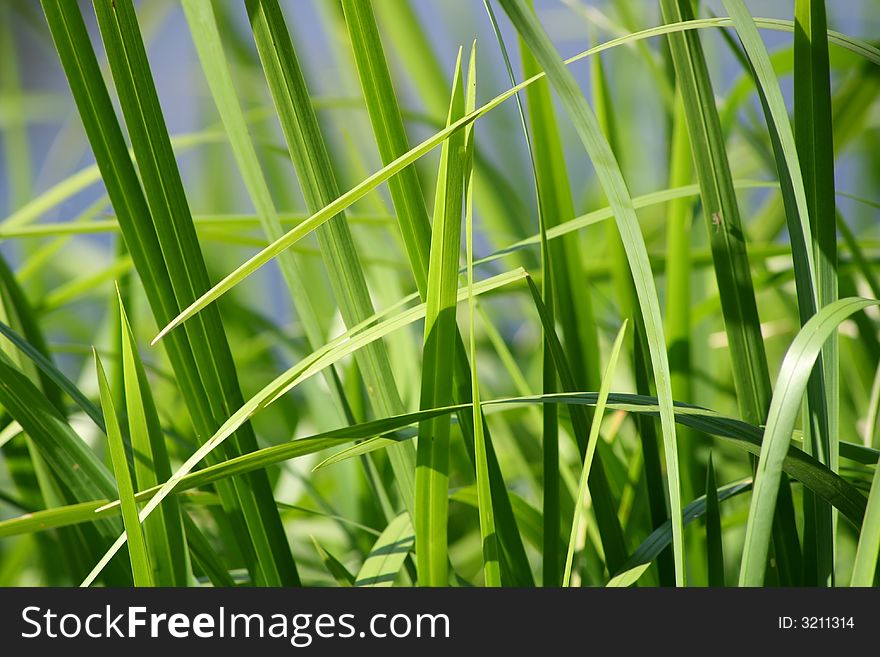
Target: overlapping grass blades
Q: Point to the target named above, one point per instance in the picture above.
(615, 189)
(161, 239)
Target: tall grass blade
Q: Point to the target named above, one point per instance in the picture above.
(137, 547)
(432, 469)
(163, 530)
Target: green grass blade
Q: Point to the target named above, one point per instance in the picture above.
(207, 39)
(801, 466)
(163, 530)
(388, 554)
(818, 533)
(391, 139)
(720, 208)
(432, 466)
(137, 547)
(334, 566)
(714, 550)
(165, 195)
(814, 142)
(406, 195)
(619, 198)
(580, 500)
(485, 507)
(628, 577)
(348, 343)
(790, 386)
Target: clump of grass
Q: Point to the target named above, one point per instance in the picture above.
(437, 385)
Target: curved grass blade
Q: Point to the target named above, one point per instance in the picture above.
(796, 463)
(412, 214)
(334, 566)
(196, 355)
(790, 386)
(868, 550)
(315, 172)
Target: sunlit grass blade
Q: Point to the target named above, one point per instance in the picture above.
(595, 426)
(619, 198)
(815, 147)
(485, 507)
(163, 188)
(432, 466)
(360, 190)
(137, 547)
(390, 550)
(348, 343)
(163, 530)
(790, 386)
(378, 433)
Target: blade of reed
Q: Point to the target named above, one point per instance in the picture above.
(627, 296)
(334, 566)
(432, 465)
(814, 142)
(551, 482)
(818, 533)
(868, 549)
(661, 537)
(388, 554)
(137, 546)
(348, 343)
(608, 172)
(581, 499)
(790, 386)
(485, 507)
(730, 258)
(35, 482)
(164, 529)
